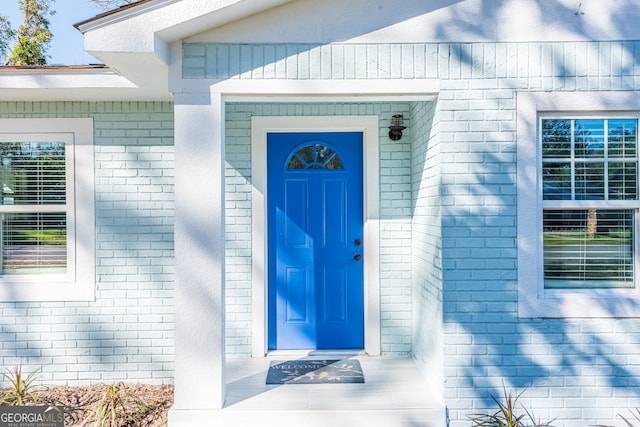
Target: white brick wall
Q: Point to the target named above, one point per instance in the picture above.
(127, 333)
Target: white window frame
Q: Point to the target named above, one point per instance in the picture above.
(78, 283)
(534, 301)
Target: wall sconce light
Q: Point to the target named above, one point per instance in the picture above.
(396, 128)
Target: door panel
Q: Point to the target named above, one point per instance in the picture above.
(296, 216)
(334, 213)
(315, 216)
(334, 295)
(296, 298)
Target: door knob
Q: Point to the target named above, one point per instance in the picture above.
(357, 257)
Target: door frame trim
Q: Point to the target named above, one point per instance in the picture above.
(368, 125)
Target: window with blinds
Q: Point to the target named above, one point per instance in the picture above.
(590, 201)
(33, 207)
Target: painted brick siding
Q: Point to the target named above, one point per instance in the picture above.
(481, 328)
(308, 61)
(127, 333)
(554, 66)
(426, 254)
(395, 213)
(581, 372)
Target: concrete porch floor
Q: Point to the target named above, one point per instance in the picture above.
(395, 394)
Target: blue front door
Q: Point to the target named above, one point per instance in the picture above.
(315, 217)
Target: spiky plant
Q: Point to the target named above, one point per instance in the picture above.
(506, 415)
(117, 406)
(22, 390)
(635, 413)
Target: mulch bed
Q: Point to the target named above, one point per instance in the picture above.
(81, 402)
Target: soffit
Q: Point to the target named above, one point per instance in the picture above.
(135, 41)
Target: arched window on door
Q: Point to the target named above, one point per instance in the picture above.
(314, 155)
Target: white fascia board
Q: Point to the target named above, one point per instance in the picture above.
(87, 94)
(334, 90)
(82, 95)
(67, 84)
(61, 79)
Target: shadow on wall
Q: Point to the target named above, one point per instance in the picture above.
(129, 327)
(331, 21)
(486, 343)
(453, 23)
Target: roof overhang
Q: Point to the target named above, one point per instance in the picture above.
(135, 40)
(71, 83)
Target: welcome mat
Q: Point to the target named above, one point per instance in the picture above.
(315, 372)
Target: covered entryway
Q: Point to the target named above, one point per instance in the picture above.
(246, 124)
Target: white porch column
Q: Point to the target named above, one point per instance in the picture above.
(199, 259)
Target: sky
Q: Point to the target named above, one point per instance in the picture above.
(66, 45)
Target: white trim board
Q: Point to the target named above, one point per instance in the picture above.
(79, 282)
(368, 125)
(534, 301)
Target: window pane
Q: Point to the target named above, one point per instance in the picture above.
(557, 181)
(589, 181)
(307, 153)
(622, 181)
(622, 138)
(34, 243)
(588, 248)
(296, 163)
(32, 173)
(556, 138)
(589, 138)
(324, 154)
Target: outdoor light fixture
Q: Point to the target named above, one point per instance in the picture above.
(396, 128)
